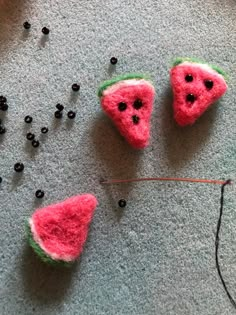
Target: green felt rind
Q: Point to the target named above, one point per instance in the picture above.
(128, 76)
(42, 255)
(180, 60)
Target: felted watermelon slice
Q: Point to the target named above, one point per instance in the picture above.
(128, 101)
(58, 232)
(196, 86)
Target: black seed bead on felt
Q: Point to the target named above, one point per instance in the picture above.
(75, 87)
(44, 130)
(135, 119)
(190, 98)
(30, 136)
(19, 167)
(138, 104)
(28, 119)
(0, 180)
(39, 194)
(58, 114)
(3, 99)
(122, 106)
(27, 25)
(122, 203)
(4, 107)
(113, 60)
(71, 114)
(60, 107)
(209, 84)
(35, 143)
(45, 30)
(2, 130)
(188, 78)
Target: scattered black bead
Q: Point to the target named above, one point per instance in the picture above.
(45, 30)
(27, 25)
(0, 180)
(190, 98)
(30, 136)
(39, 194)
(44, 130)
(71, 114)
(58, 114)
(60, 107)
(19, 167)
(122, 106)
(113, 60)
(35, 143)
(28, 119)
(135, 119)
(189, 78)
(209, 84)
(75, 87)
(122, 203)
(4, 107)
(138, 104)
(3, 99)
(2, 130)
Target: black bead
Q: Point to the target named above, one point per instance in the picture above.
(190, 98)
(113, 60)
(75, 87)
(19, 167)
(2, 130)
(135, 119)
(71, 114)
(28, 119)
(0, 180)
(30, 136)
(35, 143)
(39, 194)
(209, 84)
(58, 114)
(27, 25)
(189, 78)
(60, 107)
(122, 203)
(138, 104)
(4, 107)
(45, 31)
(3, 99)
(122, 106)
(44, 130)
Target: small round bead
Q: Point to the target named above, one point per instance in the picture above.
(4, 107)
(122, 106)
(75, 87)
(122, 203)
(209, 84)
(190, 98)
(28, 119)
(2, 130)
(45, 30)
(39, 194)
(58, 114)
(44, 130)
(113, 60)
(30, 136)
(19, 167)
(60, 107)
(35, 143)
(138, 104)
(3, 99)
(27, 25)
(188, 78)
(71, 114)
(135, 119)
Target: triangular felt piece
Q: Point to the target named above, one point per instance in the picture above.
(128, 101)
(195, 87)
(58, 232)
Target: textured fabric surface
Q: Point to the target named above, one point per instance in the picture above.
(61, 229)
(156, 256)
(129, 104)
(204, 86)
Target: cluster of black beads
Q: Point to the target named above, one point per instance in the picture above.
(59, 112)
(3, 103)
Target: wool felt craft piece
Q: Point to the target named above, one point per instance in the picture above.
(58, 232)
(196, 85)
(128, 101)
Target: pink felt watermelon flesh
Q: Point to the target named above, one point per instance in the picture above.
(129, 103)
(195, 87)
(60, 230)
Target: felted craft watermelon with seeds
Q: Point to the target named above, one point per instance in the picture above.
(128, 101)
(196, 85)
(58, 232)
